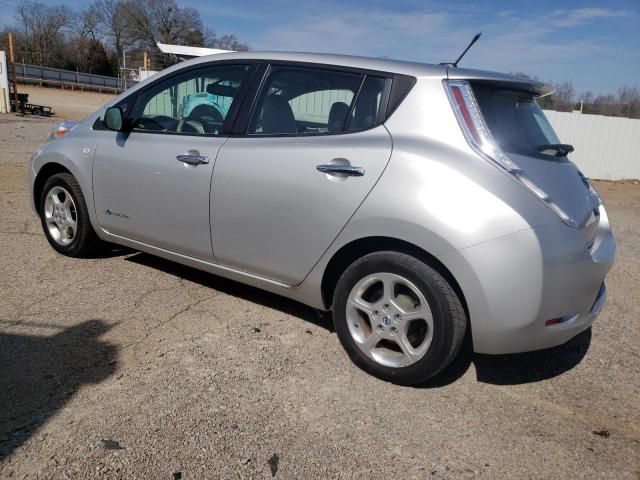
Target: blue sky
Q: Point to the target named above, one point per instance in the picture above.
(595, 45)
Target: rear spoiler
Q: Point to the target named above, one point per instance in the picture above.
(515, 82)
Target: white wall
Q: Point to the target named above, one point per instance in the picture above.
(4, 84)
(607, 148)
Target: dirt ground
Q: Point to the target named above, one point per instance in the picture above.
(133, 367)
(66, 104)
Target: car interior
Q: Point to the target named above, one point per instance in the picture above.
(195, 105)
(299, 101)
(293, 101)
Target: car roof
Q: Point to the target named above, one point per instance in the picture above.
(414, 69)
(353, 61)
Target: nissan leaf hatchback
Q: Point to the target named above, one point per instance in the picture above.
(419, 203)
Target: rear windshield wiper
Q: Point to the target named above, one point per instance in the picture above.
(558, 149)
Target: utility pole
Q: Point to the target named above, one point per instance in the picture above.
(146, 60)
(13, 73)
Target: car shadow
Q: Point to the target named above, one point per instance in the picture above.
(511, 369)
(40, 374)
(108, 250)
(236, 289)
(517, 368)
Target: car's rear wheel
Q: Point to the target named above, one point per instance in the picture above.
(398, 318)
(65, 218)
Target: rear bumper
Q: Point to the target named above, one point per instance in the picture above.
(514, 285)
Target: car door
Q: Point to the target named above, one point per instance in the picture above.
(313, 149)
(152, 183)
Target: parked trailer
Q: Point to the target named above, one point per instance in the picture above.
(24, 106)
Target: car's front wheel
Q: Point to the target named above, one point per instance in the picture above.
(398, 318)
(65, 218)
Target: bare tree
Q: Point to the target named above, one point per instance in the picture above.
(225, 42)
(43, 27)
(83, 49)
(113, 22)
(564, 96)
(586, 97)
(629, 100)
(154, 21)
(86, 23)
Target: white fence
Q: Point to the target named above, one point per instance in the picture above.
(607, 148)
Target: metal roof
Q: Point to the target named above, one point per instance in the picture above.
(184, 51)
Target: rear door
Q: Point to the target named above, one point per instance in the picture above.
(153, 184)
(313, 149)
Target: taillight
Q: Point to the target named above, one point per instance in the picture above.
(464, 111)
(477, 134)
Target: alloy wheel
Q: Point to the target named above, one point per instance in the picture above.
(390, 320)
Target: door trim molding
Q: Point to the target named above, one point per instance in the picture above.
(211, 267)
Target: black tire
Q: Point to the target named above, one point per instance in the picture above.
(449, 318)
(85, 242)
(37, 112)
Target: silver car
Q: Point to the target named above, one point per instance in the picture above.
(419, 203)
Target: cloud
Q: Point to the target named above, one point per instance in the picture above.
(374, 33)
(580, 16)
(540, 44)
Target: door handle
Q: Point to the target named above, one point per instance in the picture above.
(336, 168)
(193, 158)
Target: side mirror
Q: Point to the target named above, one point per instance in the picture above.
(113, 119)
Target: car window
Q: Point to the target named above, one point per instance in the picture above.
(516, 121)
(195, 103)
(304, 101)
(366, 112)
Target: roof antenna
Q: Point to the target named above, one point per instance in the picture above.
(455, 64)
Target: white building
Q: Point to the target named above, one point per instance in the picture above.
(4, 84)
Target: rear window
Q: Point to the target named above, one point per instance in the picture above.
(516, 121)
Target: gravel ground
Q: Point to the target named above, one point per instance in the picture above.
(66, 103)
(133, 367)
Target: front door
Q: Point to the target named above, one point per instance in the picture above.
(153, 184)
(282, 192)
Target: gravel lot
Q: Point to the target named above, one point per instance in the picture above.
(129, 366)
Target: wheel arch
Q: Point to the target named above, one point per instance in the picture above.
(45, 172)
(356, 249)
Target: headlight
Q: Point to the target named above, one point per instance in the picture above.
(61, 129)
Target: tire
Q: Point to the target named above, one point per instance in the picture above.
(37, 112)
(79, 239)
(408, 336)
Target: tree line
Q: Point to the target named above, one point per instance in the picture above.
(94, 39)
(624, 103)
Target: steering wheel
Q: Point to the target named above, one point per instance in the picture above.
(208, 112)
(148, 123)
(186, 125)
(209, 116)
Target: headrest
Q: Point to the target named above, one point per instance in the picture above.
(337, 116)
(221, 90)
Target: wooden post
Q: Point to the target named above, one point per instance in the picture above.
(13, 73)
(146, 60)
